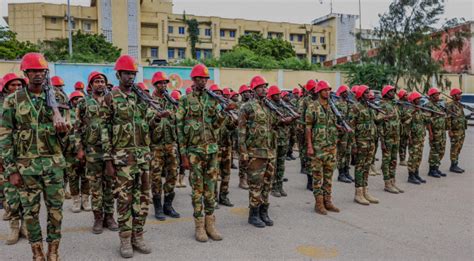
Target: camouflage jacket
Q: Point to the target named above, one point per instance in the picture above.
(322, 122)
(199, 118)
(344, 108)
(283, 131)
(165, 131)
(226, 131)
(92, 133)
(456, 120)
(416, 125)
(257, 136)
(27, 132)
(362, 119)
(390, 122)
(404, 111)
(69, 141)
(438, 123)
(129, 124)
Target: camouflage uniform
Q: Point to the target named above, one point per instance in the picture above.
(283, 136)
(293, 129)
(63, 101)
(129, 125)
(457, 124)
(30, 146)
(92, 137)
(404, 131)
(198, 119)
(242, 166)
(438, 144)
(225, 154)
(389, 126)
(302, 106)
(344, 139)
(416, 130)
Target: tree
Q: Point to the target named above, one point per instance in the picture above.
(373, 75)
(276, 48)
(11, 48)
(87, 48)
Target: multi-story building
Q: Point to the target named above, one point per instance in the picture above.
(148, 29)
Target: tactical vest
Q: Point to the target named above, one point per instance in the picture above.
(324, 131)
(93, 116)
(261, 138)
(165, 131)
(363, 119)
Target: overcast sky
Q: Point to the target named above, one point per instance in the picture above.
(297, 11)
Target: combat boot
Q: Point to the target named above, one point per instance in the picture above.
(282, 191)
(348, 175)
(329, 205)
(76, 204)
(309, 183)
(109, 222)
(210, 224)
(233, 166)
(138, 243)
(372, 171)
(14, 235)
(263, 211)
(389, 187)
(126, 249)
(1, 204)
(67, 194)
(53, 251)
(368, 197)
(200, 232)
(254, 217)
(433, 173)
(86, 204)
(412, 179)
(319, 205)
(6, 215)
(359, 197)
(394, 185)
(440, 173)
(168, 206)
(243, 183)
(38, 252)
(342, 176)
(417, 176)
(158, 208)
(276, 191)
(224, 200)
(454, 168)
(98, 226)
(403, 163)
(23, 230)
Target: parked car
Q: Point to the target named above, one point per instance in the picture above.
(468, 99)
(159, 62)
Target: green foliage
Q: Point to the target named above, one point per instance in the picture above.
(87, 48)
(193, 32)
(276, 48)
(373, 75)
(11, 48)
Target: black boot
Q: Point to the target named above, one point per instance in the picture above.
(454, 168)
(348, 175)
(417, 176)
(433, 173)
(309, 184)
(158, 208)
(439, 172)
(1, 204)
(342, 176)
(412, 179)
(254, 217)
(224, 200)
(233, 166)
(264, 215)
(168, 206)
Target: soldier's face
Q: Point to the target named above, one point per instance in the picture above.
(324, 94)
(404, 98)
(276, 97)
(200, 83)
(286, 98)
(218, 93)
(344, 95)
(246, 95)
(435, 97)
(75, 101)
(161, 86)
(457, 97)
(390, 95)
(126, 78)
(235, 98)
(366, 95)
(99, 84)
(261, 91)
(36, 77)
(417, 101)
(13, 86)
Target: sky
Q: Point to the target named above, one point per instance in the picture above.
(295, 11)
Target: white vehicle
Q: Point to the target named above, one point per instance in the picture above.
(468, 100)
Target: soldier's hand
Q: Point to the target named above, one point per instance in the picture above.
(109, 168)
(80, 155)
(163, 114)
(15, 180)
(431, 136)
(185, 162)
(230, 107)
(450, 133)
(287, 120)
(60, 124)
(310, 151)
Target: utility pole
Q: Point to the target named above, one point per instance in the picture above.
(69, 26)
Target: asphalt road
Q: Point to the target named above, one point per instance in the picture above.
(428, 222)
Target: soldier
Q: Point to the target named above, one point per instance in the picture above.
(362, 118)
(198, 118)
(344, 140)
(36, 164)
(79, 86)
(389, 126)
(293, 101)
(321, 138)
(456, 125)
(128, 155)
(258, 149)
(416, 138)
(163, 148)
(91, 137)
(373, 170)
(234, 97)
(13, 207)
(402, 150)
(437, 134)
(181, 183)
(247, 95)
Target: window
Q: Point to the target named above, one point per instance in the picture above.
(87, 26)
(322, 40)
(300, 38)
(313, 39)
(154, 52)
(232, 34)
(73, 25)
(53, 20)
(181, 30)
(292, 37)
(198, 54)
(207, 32)
(170, 53)
(269, 35)
(280, 35)
(322, 58)
(170, 29)
(207, 53)
(222, 33)
(181, 53)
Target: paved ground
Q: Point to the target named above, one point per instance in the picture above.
(428, 222)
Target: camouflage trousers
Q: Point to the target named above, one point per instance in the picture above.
(322, 167)
(389, 157)
(260, 175)
(282, 150)
(2, 186)
(225, 162)
(365, 151)
(242, 168)
(457, 140)
(203, 175)
(415, 153)
(437, 148)
(102, 187)
(42, 177)
(133, 189)
(12, 198)
(164, 164)
(304, 160)
(404, 137)
(292, 140)
(76, 175)
(343, 150)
